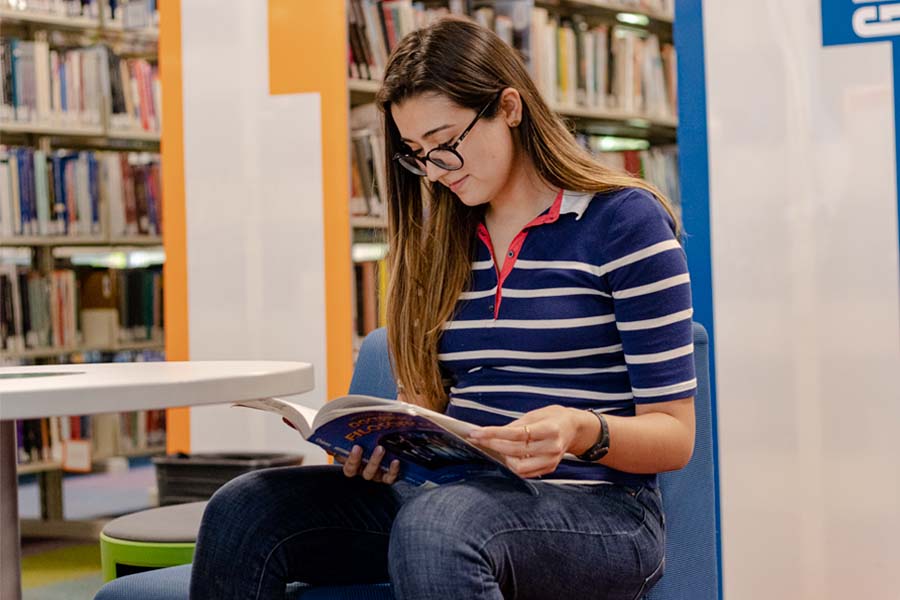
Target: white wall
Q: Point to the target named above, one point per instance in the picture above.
(253, 188)
(805, 266)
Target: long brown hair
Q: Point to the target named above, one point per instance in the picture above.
(431, 247)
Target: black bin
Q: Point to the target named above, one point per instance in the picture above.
(184, 477)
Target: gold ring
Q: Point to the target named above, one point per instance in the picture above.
(527, 434)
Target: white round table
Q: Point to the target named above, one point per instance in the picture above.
(60, 390)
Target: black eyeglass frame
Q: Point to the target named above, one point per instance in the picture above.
(399, 156)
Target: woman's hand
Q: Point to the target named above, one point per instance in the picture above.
(372, 471)
(534, 444)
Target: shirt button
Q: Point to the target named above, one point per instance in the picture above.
(511, 254)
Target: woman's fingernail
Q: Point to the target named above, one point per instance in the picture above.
(356, 449)
(379, 450)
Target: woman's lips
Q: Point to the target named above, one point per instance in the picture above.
(458, 183)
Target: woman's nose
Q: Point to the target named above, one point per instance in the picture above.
(433, 172)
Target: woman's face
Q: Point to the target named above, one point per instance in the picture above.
(430, 120)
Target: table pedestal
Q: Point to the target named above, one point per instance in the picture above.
(10, 563)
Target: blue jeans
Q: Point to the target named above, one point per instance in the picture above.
(483, 539)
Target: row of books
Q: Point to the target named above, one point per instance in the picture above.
(657, 165)
(376, 26)
(41, 85)
(79, 193)
(599, 66)
(43, 440)
(367, 173)
(575, 62)
(371, 280)
(69, 308)
(660, 167)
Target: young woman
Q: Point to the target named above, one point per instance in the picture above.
(534, 292)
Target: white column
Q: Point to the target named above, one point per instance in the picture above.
(804, 248)
(255, 245)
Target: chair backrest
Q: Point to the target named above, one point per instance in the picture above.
(688, 494)
(373, 375)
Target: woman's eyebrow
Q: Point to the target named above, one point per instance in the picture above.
(429, 133)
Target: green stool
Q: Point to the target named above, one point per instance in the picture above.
(150, 539)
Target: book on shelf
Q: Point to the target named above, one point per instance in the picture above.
(131, 185)
(68, 309)
(577, 61)
(367, 167)
(64, 193)
(432, 447)
(43, 85)
(370, 280)
(135, 94)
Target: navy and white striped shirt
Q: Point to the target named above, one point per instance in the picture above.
(592, 309)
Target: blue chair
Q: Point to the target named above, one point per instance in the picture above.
(689, 496)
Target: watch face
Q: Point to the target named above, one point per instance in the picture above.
(595, 453)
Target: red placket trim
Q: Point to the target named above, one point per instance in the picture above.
(515, 247)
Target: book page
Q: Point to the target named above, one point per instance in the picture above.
(356, 401)
(298, 415)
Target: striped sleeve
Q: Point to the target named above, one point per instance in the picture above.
(646, 270)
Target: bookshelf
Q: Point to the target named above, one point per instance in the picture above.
(114, 131)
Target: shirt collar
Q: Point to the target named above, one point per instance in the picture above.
(566, 202)
(575, 202)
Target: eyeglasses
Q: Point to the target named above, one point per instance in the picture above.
(444, 157)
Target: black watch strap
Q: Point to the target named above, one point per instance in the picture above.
(599, 449)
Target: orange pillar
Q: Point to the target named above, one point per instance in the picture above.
(175, 302)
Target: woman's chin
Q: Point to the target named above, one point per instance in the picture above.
(469, 199)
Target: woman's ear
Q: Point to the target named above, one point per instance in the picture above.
(511, 107)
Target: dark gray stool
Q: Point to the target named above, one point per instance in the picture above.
(150, 539)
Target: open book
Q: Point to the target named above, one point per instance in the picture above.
(431, 447)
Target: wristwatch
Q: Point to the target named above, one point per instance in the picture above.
(598, 450)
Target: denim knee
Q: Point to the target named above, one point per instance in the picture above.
(434, 536)
(248, 506)
(237, 503)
